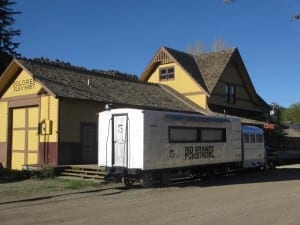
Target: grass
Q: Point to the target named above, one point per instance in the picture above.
(30, 188)
(16, 185)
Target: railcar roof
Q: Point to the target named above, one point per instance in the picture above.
(252, 129)
(197, 118)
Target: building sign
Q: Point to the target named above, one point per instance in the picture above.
(199, 152)
(23, 85)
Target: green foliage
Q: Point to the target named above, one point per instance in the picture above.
(46, 172)
(7, 45)
(8, 175)
(276, 113)
(292, 114)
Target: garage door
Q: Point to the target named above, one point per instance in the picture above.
(24, 137)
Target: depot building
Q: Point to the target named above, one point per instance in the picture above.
(48, 110)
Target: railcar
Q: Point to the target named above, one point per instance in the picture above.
(155, 146)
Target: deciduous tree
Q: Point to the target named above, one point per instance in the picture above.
(295, 17)
(292, 113)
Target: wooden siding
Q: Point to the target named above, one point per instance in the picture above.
(183, 83)
(243, 100)
(3, 121)
(49, 111)
(23, 85)
(72, 114)
(27, 145)
(3, 153)
(48, 153)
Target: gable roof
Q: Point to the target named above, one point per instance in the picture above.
(212, 66)
(77, 83)
(185, 60)
(206, 68)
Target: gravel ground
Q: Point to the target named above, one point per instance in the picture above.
(256, 198)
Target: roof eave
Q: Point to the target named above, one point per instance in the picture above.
(150, 67)
(182, 67)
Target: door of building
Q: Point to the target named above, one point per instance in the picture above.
(89, 143)
(24, 137)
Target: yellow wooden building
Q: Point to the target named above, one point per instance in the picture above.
(48, 111)
(217, 81)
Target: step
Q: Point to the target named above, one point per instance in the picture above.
(82, 175)
(91, 172)
(87, 167)
(72, 170)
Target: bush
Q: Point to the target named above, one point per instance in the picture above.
(9, 175)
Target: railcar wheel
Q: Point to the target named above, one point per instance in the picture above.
(128, 181)
(165, 179)
(147, 180)
(271, 165)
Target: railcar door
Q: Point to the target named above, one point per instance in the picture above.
(120, 140)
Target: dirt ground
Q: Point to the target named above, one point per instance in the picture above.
(256, 198)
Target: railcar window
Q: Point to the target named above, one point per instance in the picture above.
(196, 134)
(181, 134)
(252, 138)
(212, 135)
(259, 138)
(246, 138)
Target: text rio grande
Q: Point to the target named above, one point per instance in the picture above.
(199, 152)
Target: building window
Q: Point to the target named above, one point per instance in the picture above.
(166, 73)
(230, 93)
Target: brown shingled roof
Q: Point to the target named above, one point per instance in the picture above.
(212, 66)
(70, 82)
(187, 61)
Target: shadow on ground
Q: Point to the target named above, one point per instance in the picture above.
(247, 177)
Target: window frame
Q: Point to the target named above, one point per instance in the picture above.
(259, 138)
(246, 138)
(199, 138)
(230, 93)
(168, 75)
(252, 138)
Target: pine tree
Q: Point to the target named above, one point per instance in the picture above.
(7, 33)
(7, 45)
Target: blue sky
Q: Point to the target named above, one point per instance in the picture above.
(124, 35)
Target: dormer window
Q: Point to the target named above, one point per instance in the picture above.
(230, 93)
(166, 73)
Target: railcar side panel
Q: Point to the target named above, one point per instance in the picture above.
(162, 150)
(253, 147)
